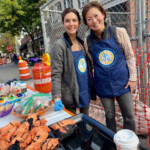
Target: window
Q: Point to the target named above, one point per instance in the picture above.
(59, 8)
(81, 3)
(68, 3)
(51, 14)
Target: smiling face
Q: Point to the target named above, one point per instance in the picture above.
(95, 19)
(71, 23)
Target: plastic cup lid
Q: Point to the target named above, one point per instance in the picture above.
(126, 138)
(23, 85)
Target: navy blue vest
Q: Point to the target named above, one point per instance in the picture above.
(110, 69)
(82, 78)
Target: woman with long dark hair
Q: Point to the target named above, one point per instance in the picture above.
(71, 82)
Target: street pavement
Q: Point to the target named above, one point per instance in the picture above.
(11, 71)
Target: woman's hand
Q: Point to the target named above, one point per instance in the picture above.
(132, 85)
(58, 105)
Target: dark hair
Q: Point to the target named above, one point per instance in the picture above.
(90, 5)
(68, 10)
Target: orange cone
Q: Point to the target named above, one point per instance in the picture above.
(1, 62)
(42, 75)
(23, 69)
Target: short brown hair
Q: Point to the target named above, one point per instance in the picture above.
(69, 10)
(90, 5)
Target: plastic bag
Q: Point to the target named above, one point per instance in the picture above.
(33, 103)
(142, 117)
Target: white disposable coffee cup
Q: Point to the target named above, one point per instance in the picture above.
(126, 140)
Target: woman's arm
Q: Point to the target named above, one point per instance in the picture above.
(56, 55)
(125, 43)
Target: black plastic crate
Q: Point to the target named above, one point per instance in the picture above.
(59, 147)
(88, 135)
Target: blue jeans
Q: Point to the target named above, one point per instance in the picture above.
(127, 110)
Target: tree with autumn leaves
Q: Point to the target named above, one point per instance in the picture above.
(20, 15)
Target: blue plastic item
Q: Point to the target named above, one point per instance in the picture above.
(58, 105)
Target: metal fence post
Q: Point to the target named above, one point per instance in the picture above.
(147, 35)
(46, 48)
(145, 74)
(142, 49)
(140, 44)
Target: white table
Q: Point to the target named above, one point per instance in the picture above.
(51, 116)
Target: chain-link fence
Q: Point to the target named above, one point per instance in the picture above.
(134, 15)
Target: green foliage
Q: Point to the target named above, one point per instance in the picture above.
(20, 15)
(5, 40)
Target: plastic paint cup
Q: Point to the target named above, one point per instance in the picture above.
(126, 140)
(23, 87)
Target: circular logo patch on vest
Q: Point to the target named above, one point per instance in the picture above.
(82, 65)
(106, 58)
